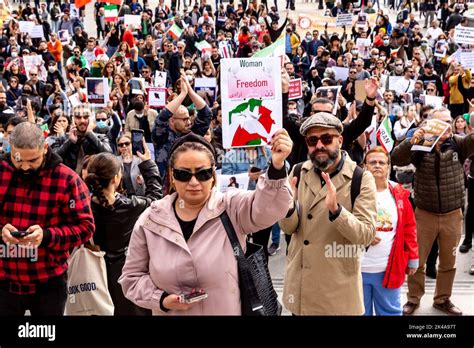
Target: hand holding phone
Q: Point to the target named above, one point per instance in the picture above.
(193, 297)
(19, 234)
(137, 141)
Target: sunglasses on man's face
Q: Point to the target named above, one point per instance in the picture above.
(127, 143)
(326, 139)
(185, 175)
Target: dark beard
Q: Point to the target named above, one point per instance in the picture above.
(324, 165)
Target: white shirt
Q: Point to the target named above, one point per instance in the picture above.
(404, 86)
(375, 259)
(432, 35)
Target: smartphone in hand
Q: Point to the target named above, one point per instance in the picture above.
(193, 297)
(137, 141)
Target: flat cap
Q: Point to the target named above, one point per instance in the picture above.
(321, 119)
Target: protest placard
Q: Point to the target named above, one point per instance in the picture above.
(26, 26)
(464, 35)
(63, 35)
(332, 93)
(97, 91)
(434, 128)
(160, 78)
(74, 100)
(363, 46)
(35, 61)
(434, 101)
(341, 73)
(440, 49)
(467, 59)
(207, 89)
(344, 19)
(232, 182)
(157, 97)
(296, 89)
(137, 85)
(251, 101)
(393, 81)
(37, 32)
(134, 20)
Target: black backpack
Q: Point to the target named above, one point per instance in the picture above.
(355, 184)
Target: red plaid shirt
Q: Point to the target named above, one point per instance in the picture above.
(59, 202)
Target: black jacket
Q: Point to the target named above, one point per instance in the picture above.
(91, 144)
(114, 226)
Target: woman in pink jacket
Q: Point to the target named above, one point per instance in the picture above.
(179, 244)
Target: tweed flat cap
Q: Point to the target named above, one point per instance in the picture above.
(321, 119)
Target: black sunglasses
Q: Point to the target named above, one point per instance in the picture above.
(326, 139)
(127, 143)
(184, 175)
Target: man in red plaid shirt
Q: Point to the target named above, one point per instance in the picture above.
(39, 195)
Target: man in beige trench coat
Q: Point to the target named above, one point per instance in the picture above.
(323, 274)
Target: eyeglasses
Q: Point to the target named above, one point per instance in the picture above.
(430, 90)
(352, 72)
(145, 72)
(110, 67)
(127, 143)
(359, 65)
(326, 139)
(185, 175)
(79, 116)
(33, 74)
(100, 119)
(398, 64)
(374, 163)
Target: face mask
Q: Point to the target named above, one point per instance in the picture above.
(354, 52)
(194, 70)
(424, 45)
(386, 42)
(51, 69)
(6, 146)
(139, 115)
(189, 78)
(101, 124)
(383, 58)
(14, 54)
(308, 37)
(375, 56)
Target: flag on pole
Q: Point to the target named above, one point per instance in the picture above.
(175, 31)
(115, 2)
(276, 49)
(203, 46)
(111, 13)
(384, 134)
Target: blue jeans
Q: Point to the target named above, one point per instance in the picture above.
(386, 301)
(276, 234)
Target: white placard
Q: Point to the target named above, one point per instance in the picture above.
(467, 58)
(464, 35)
(37, 32)
(341, 73)
(434, 101)
(26, 26)
(344, 19)
(136, 20)
(332, 93)
(160, 78)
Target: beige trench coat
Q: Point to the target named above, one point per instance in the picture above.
(323, 275)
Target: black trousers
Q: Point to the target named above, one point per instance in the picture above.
(261, 238)
(49, 299)
(122, 305)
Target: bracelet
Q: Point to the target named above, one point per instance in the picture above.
(162, 298)
(370, 99)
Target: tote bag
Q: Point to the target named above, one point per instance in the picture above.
(88, 292)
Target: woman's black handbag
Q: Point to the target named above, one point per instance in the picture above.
(258, 297)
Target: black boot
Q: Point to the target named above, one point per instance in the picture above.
(431, 271)
(465, 246)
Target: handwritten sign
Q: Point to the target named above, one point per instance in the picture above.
(467, 58)
(37, 32)
(344, 19)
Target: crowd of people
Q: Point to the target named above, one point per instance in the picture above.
(358, 215)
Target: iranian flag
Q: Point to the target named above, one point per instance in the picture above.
(251, 124)
(384, 134)
(203, 46)
(225, 50)
(175, 31)
(111, 13)
(276, 49)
